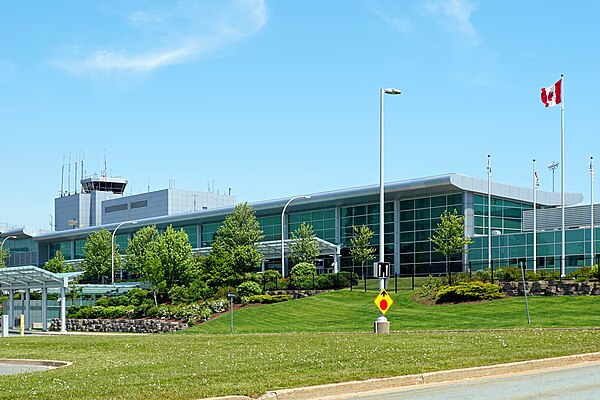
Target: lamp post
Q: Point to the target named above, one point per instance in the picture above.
(5, 239)
(381, 323)
(112, 248)
(552, 167)
(283, 231)
(2, 246)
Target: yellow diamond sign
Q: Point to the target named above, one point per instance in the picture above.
(383, 301)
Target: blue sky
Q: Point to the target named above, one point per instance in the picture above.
(279, 98)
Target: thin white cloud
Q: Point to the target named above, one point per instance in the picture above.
(396, 23)
(180, 34)
(7, 70)
(454, 16)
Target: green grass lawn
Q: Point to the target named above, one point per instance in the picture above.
(168, 366)
(346, 311)
(204, 362)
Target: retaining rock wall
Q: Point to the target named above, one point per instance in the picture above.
(119, 325)
(551, 288)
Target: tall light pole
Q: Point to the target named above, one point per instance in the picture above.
(552, 167)
(5, 239)
(112, 247)
(382, 321)
(283, 231)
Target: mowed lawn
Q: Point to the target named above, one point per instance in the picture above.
(321, 339)
(354, 311)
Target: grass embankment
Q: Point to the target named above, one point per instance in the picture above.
(194, 366)
(188, 366)
(345, 311)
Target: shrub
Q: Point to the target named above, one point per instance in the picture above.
(248, 288)
(303, 269)
(481, 276)
(197, 290)
(430, 287)
(582, 273)
(222, 292)
(469, 291)
(268, 299)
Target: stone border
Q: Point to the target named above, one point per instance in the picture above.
(119, 325)
(51, 364)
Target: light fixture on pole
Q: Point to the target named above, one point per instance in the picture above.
(112, 247)
(381, 323)
(283, 232)
(552, 166)
(5, 239)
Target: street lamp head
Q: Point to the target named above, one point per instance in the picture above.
(553, 165)
(391, 91)
(306, 197)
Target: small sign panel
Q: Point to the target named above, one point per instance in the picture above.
(383, 301)
(382, 269)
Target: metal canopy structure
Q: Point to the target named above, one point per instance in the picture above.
(29, 277)
(272, 249)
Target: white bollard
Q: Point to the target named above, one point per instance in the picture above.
(5, 326)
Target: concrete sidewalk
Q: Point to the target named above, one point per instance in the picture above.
(344, 389)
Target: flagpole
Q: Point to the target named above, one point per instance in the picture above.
(489, 171)
(592, 211)
(563, 263)
(535, 186)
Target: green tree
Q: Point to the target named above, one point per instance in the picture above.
(304, 247)
(360, 246)
(4, 253)
(238, 237)
(97, 255)
(57, 263)
(140, 250)
(173, 252)
(449, 237)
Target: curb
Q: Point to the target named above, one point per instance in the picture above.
(352, 387)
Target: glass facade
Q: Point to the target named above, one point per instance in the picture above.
(418, 219)
(517, 249)
(322, 221)
(506, 215)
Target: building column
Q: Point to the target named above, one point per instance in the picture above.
(44, 309)
(27, 309)
(469, 214)
(11, 308)
(397, 237)
(63, 306)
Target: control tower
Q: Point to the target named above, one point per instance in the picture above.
(80, 210)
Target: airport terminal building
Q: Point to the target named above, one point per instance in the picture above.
(412, 211)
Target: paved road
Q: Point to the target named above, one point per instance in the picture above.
(578, 382)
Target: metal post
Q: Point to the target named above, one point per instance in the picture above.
(563, 270)
(592, 250)
(525, 292)
(231, 296)
(283, 232)
(535, 186)
(112, 248)
(381, 323)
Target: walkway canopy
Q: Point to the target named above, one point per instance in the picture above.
(29, 277)
(272, 249)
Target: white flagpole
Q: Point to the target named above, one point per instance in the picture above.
(535, 186)
(563, 262)
(489, 171)
(592, 211)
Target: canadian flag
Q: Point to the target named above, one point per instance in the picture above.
(551, 94)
